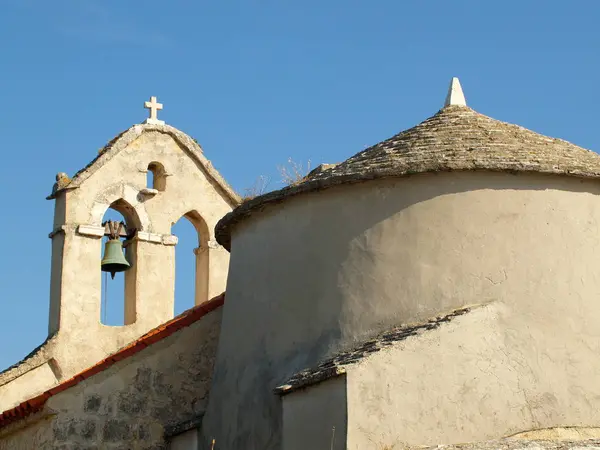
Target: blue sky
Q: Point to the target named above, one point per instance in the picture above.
(257, 82)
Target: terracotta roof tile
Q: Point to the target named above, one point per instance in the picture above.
(157, 334)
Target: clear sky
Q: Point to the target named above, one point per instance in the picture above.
(257, 82)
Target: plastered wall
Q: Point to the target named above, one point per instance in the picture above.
(325, 270)
(316, 417)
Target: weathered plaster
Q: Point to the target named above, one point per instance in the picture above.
(118, 178)
(494, 372)
(393, 251)
(36, 381)
(130, 404)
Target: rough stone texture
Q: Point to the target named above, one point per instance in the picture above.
(402, 250)
(131, 404)
(456, 138)
(336, 365)
(117, 178)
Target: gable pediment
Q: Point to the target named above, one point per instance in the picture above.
(125, 139)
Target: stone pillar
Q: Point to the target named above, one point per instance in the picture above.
(131, 285)
(212, 262)
(202, 274)
(58, 242)
(152, 296)
(218, 267)
(75, 288)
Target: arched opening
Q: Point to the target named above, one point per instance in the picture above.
(156, 176)
(118, 294)
(191, 261)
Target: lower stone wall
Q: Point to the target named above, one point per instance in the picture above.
(129, 405)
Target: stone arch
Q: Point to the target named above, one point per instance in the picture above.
(126, 198)
(202, 255)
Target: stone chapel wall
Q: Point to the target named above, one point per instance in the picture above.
(129, 405)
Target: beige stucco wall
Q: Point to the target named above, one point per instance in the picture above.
(75, 291)
(188, 188)
(130, 404)
(316, 417)
(492, 373)
(321, 271)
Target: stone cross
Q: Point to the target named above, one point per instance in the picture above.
(154, 107)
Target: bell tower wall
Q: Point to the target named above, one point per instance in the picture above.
(184, 184)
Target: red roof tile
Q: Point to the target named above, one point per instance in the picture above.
(183, 320)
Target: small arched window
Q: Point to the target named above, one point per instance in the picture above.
(156, 177)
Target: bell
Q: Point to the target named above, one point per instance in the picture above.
(114, 260)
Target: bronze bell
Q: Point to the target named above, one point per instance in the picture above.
(114, 260)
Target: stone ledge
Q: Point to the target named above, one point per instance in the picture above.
(156, 238)
(91, 230)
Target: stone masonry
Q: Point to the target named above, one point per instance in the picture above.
(131, 405)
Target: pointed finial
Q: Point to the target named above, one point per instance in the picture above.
(455, 94)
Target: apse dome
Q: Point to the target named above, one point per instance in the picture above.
(460, 211)
(435, 217)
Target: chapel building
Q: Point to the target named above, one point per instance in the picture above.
(436, 289)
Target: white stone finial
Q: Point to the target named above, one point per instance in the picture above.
(455, 94)
(154, 107)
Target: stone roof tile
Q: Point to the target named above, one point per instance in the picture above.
(456, 138)
(336, 365)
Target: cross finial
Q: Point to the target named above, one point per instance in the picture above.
(154, 107)
(455, 94)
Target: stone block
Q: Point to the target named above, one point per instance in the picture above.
(143, 379)
(133, 404)
(161, 387)
(116, 430)
(59, 429)
(86, 429)
(92, 403)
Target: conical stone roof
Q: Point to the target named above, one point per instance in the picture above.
(456, 138)
(459, 138)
